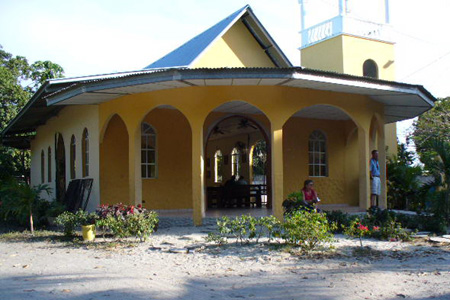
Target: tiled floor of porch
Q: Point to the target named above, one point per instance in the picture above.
(255, 212)
(183, 217)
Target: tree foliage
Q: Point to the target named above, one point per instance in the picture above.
(432, 138)
(260, 158)
(403, 184)
(19, 80)
(21, 200)
(434, 123)
(438, 164)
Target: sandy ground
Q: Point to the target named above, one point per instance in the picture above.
(55, 270)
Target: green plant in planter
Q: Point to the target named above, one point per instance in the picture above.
(293, 202)
(87, 222)
(84, 218)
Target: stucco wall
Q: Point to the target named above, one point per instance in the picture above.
(331, 189)
(276, 105)
(70, 121)
(357, 50)
(172, 189)
(326, 56)
(236, 48)
(114, 163)
(347, 54)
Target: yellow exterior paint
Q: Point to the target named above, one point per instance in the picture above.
(331, 189)
(184, 117)
(114, 163)
(326, 56)
(357, 50)
(172, 189)
(351, 167)
(277, 103)
(236, 48)
(182, 134)
(391, 139)
(347, 54)
(70, 121)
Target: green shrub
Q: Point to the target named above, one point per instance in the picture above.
(306, 230)
(85, 218)
(141, 225)
(272, 226)
(54, 209)
(117, 226)
(388, 230)
(392, 231)
(357, 230)
(127, 221)
(22, 204)
(68, 221)
(339, 220)
(245, 229)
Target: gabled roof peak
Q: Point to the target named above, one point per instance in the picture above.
(187, 53)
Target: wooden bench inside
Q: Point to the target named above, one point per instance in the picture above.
(249, 195)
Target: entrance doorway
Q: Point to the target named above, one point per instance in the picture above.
(237, 165)
(60, 158)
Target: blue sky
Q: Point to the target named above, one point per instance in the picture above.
(102, 36)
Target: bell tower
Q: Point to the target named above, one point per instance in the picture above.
(351, 37)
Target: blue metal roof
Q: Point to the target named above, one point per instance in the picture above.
(185, 54)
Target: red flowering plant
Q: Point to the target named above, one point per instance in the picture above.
(118, 210)
(357, 230)
(126, 220)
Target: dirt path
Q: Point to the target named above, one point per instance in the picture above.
(47, 270)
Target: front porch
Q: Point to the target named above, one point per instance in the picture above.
(168, 158)
(176, 218)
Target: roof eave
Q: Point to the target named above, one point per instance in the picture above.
(288, 74)
(269, 37)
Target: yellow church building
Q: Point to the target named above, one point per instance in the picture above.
(170, 135)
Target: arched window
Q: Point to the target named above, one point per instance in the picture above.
(85, 152)
(370, 69)
(218, 166)
(317, 148)
(235, 162)
(148, 151)
(42, 166)
(49, 165)
(72, 157)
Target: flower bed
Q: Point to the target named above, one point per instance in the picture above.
(120, 220)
